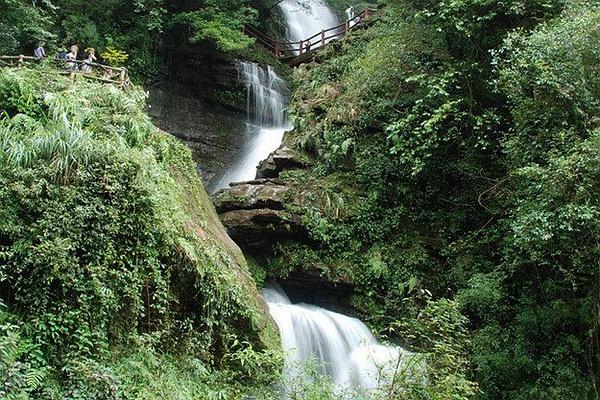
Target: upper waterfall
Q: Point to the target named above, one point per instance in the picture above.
(267, 92)
(266, 95)
(304, 19)
(343, 347)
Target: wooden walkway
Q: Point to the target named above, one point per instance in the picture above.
(97, 72)
(295, 53)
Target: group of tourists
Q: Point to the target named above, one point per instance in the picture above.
(71, 62)
(70, 58)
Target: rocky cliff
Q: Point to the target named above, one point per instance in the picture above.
(204, 105)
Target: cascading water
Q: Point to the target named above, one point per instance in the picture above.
(267, 121)
(343, 347)
(307, 18)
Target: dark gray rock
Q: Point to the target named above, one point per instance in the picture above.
(213, 133)
(281, 159)
(260, 193)
(259, 228)
(254, 212)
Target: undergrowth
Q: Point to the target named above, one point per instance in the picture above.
(117, 280)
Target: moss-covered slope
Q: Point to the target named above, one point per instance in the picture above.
(117, 279)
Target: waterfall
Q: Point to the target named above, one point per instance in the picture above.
(267, 93)
(305, 18)
(266, 121)
(343, 347)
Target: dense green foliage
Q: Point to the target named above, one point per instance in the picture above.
(467, 134)
(455, 186)
(116, 278)
(23, 25)
(145, 29)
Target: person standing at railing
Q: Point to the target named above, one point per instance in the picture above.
(90, 57)
(39, 52)
(72, 56)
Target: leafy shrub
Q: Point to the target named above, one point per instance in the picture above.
(440, 332)
(18, 96)
(114, 57)
(22, 370)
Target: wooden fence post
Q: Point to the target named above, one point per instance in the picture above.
(323, 38)
(301, 45)
(122, 76)
(277, 48)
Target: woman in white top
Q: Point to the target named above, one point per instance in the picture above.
(72, 55)
(90, 57)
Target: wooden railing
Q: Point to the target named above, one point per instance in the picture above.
(288, 50)
(89, 70)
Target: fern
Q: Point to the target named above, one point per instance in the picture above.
(67, 149)
(33, 378)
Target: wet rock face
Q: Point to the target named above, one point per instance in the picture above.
(253, 213)
(212, 133)
(312, 287)
(203, 104)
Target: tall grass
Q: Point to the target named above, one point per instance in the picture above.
(65, 148)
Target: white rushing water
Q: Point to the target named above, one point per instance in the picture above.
(343, 347)
(267, 92)
(267, 121)
(305, 18)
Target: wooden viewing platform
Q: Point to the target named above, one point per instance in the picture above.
(99, 72)
(294, 53)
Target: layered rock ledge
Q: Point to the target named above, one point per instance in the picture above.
(253, 213)
(281, 159)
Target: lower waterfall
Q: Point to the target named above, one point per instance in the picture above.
(342, 347)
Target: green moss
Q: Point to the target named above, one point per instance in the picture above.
(110, 242)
